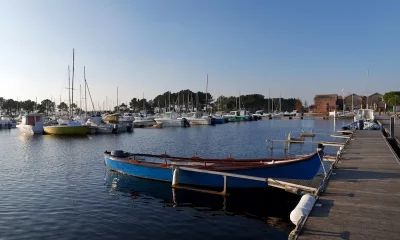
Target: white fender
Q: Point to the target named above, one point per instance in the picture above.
(303, 208)
(175, 177)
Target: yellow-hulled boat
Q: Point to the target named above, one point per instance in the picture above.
(66, 130)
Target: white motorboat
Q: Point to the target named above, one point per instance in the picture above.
(98, 125)
(261, 115)
(7, 122)
(142, 121)
(171, 119)
(277, 115)
(365, 115)
(124, 124)
(197, 118)
(231, 117)
(32, 123)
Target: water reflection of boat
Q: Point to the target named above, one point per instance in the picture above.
(257, 204)
(160, 167)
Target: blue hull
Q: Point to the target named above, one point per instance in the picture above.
(219, 120)
(305, 169)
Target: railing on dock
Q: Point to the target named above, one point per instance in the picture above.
(289, 187)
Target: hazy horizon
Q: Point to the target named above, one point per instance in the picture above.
(296, 49)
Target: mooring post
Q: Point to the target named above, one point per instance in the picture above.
(392, 128)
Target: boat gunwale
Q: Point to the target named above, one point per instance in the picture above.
(241, 164)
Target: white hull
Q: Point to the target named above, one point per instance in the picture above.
(198, 121)
(124, 127)
(143, 123)
(170, 122)
(102, 130)
(38, 129)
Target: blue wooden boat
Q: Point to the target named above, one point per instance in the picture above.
(160, 167)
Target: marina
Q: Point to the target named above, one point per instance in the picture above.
(199, 120)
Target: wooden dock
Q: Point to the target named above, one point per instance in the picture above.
(362, 197)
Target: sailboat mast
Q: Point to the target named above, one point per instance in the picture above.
(280, 102)
(240, 106)
(343, 99)
(60, 105)
(144, 111)
(73, 75)
(352, 102)
(207, 93)
(80, 97)
(117, 100)
(367, 87)
(84, 77)
(69, 89)
(236, 103)
(269, 99)
(169, 100)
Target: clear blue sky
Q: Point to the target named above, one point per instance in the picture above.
(296, 48)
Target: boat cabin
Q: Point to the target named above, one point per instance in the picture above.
(234, 113)
(32, 119)
(112, 118)
(365, 114)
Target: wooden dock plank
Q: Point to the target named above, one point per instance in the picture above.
(362, 197)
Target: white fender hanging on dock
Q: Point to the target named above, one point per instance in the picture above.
(303, 208)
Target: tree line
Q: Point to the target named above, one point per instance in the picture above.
(12, 107)
(184, 100)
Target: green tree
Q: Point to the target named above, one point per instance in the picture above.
(28, 106)
(62, 107)
(10, 106)
(392, 98)
(47, 106)
(2, 100)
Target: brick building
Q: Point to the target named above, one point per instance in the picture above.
(327, 103)
(354, 101)
(375, 101)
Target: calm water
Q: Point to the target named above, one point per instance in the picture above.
(58, 187)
